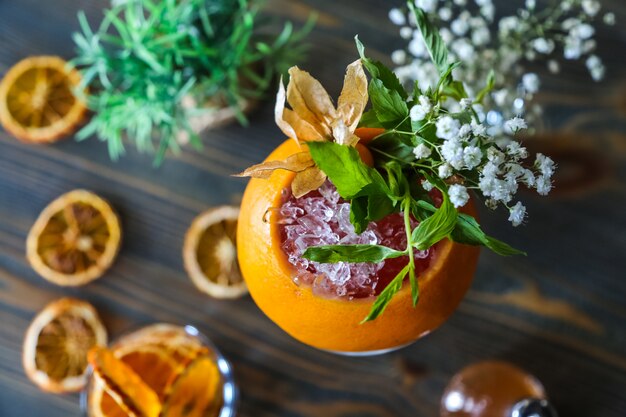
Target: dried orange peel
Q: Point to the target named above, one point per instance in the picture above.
(210, 253)
(171, 363)
(37, 104)
(57, 342)
(196, 392)
(75, 239)
(118, 380)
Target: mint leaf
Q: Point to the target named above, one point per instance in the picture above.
(434, 43)
(379, 71)
(386, 295)
(350, 253)
(435, 227)
(392, 147)
(358, 214)
(389, 106)
(456, 90)
(369, 119)
(344, 167)
(468, 231)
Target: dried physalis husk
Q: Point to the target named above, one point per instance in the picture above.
(314, 118)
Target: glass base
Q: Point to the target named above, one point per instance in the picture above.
(369, 352)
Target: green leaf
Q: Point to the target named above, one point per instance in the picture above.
(379, 206)
(502, 248)
(358, 214)
(390, 108)
(379, 71)
(491, 81)
(468, 231)
(434, 43)
(393, 147)
(456, 90)
(350, 253)
(435, 227)
(345, 169)
(386, 295)
(369, 119)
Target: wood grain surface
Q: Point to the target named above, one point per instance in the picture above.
(559, 313)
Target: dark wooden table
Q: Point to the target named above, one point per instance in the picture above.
(560, 312)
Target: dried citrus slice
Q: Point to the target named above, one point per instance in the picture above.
(75, 239)
(57, 342)
(179, 344)
(124, 386)
(197, 392)
(210, 253)
(36, 100)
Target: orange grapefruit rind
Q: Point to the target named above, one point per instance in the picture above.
(332, 324)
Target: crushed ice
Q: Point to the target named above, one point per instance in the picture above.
(323, 218)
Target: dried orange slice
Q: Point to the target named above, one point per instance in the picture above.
(36, 100)
(75, 239)
(210, 253)
(57, 342)
(179, 344)
(196, 392)
(124, 386)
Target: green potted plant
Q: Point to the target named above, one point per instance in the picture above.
(160, 72)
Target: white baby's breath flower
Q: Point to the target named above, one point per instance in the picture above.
(447, 127)
(460, 2)
(421, 110)
(508, 24)
(460, 26)
(529, 178)
(445, 14)
(495, 156)
(582, 31)
(422, 151)
(398, 57)
(444, 171)
(406, 32)
(609, 19)
(517, 214)
(531, 82)
(397, 17)
(466, 103)
(516, 151)
(427, 185)
(452, 152)
(458, 195)
(416, 47)
(515, 124)
(531, 4)
(545, 165)
(488, 11)
(463, 48)
(465, 131)
(472, 156)
(491, 204)
(591, 7)
(553, 66)
(481, 36)
(478, 129)
(500, 96)
(543, 185)
(595, 67)
(446, 35)
(573, 48)
(543, 45)
(426, 5)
